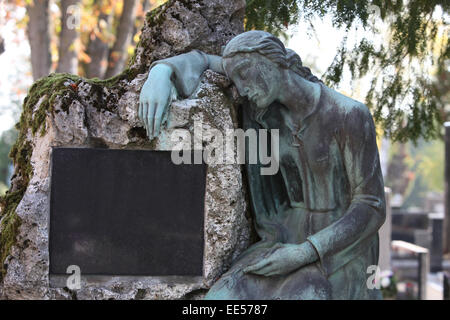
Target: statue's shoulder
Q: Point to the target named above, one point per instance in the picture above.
(348, 108)
(348, 116)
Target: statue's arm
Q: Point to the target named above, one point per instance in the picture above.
(366, 212)
(215, 63)
(169, 78)
(187, 69)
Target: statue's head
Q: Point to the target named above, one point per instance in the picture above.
(255, 62)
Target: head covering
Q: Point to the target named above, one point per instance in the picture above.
(252, 41)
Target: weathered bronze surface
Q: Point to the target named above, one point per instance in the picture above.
(318, 218)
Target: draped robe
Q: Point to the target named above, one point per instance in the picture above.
(329, 191)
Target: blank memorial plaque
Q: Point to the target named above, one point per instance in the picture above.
(126, 212)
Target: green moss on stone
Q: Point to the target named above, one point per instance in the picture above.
(33, 117)
(155, 16)
(9, 226)
(21, 155)
(47, 89)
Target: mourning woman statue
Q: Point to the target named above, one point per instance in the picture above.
(318, 217)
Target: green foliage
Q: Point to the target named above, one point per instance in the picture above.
(272, 16)
(430, 164)
(415, 170)
(404, 97)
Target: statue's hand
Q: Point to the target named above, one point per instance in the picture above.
(155, 98)
(283, 259)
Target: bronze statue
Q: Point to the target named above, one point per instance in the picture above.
(318, 217)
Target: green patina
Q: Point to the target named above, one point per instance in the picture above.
(318, 212)
(63, 85)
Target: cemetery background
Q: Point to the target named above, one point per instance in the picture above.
(413, 173)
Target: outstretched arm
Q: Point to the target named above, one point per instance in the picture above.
(169, 78)
(215, 63)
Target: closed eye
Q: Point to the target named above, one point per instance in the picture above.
(241, 70)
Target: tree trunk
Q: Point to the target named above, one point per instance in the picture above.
(69, 38)
(98, 48)
(146, 5)
(39, 37)
(118, 54)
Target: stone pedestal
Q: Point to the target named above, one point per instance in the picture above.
(81, 124)
(64, 110)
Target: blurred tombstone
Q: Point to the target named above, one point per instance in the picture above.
(411, 226)
(446, 286)
(423, 258)
(384, 233)
(446, 234)
(434, 202)
(397, 200)
(436, 221)
(423, 237)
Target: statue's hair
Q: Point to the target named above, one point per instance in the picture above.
(272, 48)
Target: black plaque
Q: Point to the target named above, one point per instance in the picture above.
(125, 212)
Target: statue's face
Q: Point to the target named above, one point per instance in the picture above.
(255, 77)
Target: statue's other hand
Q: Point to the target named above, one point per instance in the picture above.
(155, 98)
(283, 259)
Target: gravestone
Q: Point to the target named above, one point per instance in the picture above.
(436, 252)
(64, 110)
(227, 223)
(126, 212)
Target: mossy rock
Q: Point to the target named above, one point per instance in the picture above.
(43, 92)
